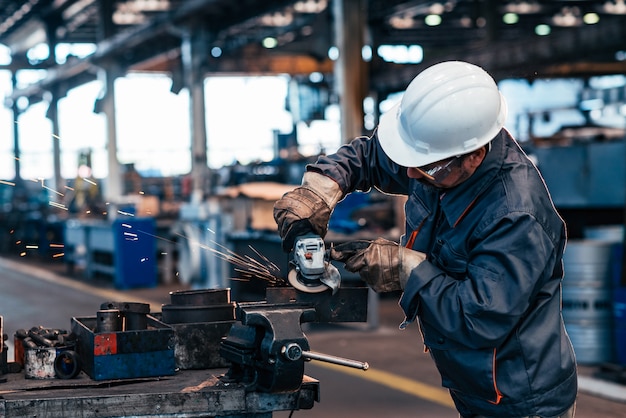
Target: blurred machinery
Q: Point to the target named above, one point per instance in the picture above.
(586, 175)
(199, 234)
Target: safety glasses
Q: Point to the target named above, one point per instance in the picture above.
(440, 172)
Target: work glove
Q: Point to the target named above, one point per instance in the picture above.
(307, 208)
(384, 265)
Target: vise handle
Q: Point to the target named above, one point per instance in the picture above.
(294, 352)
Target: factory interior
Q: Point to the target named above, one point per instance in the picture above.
(144, 143)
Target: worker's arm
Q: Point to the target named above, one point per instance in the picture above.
(361, 165)
(306, 209)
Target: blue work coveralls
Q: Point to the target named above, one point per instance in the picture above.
(488, 297)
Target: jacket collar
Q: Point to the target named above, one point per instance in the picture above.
(456, 202)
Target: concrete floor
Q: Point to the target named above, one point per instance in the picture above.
(402, 381)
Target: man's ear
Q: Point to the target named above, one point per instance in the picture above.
(474, 159)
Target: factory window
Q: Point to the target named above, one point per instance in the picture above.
(152, 125)
(80, 128)
(242, 114)
(35, 133)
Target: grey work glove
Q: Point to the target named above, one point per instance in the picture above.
(384, 265)
(306, 209)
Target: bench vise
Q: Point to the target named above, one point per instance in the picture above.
(267, 347)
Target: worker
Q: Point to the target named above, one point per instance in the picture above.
(480, 265)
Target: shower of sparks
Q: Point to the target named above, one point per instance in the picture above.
(267, 260)
(130, 236)
(52, 190)
(249, 267)
(57, 205)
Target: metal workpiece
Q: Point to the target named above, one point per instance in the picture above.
(200, 305)
(109, 320)
(42, 337)
(133, 314)
(197, 297)
(201, 318)
(180, 314)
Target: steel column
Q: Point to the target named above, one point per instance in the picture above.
(350, 69)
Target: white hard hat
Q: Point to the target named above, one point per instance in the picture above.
(449, 109)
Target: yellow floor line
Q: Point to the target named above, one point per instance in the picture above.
(393, 381)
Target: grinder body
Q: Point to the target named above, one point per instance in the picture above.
(310, 271)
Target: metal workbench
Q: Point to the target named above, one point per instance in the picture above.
(188, 393)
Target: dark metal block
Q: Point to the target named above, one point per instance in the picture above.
(349, 304)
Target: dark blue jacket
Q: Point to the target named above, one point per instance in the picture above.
(488, 298)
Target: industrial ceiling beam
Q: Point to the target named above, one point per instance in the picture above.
(525, 58)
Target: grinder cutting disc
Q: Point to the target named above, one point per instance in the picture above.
(304, 284)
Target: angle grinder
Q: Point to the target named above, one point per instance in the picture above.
(310, 271)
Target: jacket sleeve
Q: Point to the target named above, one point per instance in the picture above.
(361, 165)
(508, 270)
